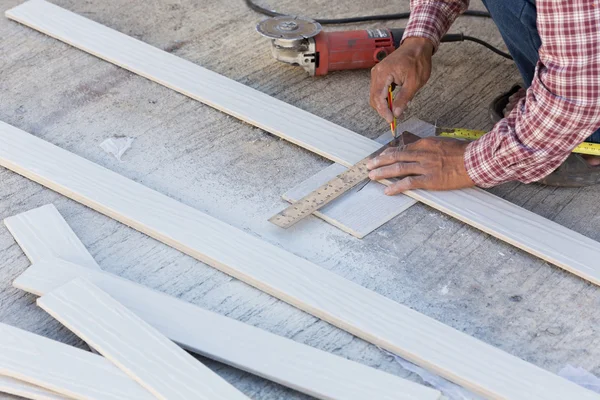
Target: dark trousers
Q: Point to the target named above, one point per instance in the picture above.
(516, 21)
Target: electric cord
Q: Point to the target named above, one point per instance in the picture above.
(404, 15)
(325, 21)
(488, 46)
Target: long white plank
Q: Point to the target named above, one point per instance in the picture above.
(304, 368)
(226, 95)
(63, 369)
(396, 328)
(284, 361)
(504, 220)
(26, 390)
(151, 359)
(360, 211)
(43, 233)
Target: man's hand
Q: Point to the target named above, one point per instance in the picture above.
(409, 67)
(431, 163)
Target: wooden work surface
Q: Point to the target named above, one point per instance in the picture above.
(237, 173)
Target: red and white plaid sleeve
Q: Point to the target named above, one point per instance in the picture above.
(431, 19)
(561, 108)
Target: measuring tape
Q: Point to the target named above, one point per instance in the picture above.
(592, 149)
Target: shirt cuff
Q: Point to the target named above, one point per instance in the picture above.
(432, 20)
(481, 165)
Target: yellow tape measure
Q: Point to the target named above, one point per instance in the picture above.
(592, 149)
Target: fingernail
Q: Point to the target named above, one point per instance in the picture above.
(397, 112)
(387, 191)
(371, 175)
(370, 164)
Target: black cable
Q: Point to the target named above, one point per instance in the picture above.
(488, 46)
(404, 15)
(459, 37)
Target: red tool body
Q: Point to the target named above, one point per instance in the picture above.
(302, 42)
(338, 51)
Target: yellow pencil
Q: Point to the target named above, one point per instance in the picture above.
(391, 105)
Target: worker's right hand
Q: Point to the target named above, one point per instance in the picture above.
(409, 67)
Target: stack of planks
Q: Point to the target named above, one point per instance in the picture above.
(129, 324)
(126, 322)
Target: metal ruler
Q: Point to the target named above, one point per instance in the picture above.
(328, 192)
(592, 149)
(359, 172)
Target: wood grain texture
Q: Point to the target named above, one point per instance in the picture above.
(292, 364)
(497, 217)
(360, 212)
(396, 328)
(63, 369)
(308, 370)
(143, 353)
(27, 390)
(43, 233)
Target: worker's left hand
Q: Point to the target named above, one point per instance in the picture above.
(430, 163)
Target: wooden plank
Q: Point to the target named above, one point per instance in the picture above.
(191, 80)
(144, 354)
(43, 233)
(396, 328)
(360, 212)
(284, 361)
(504, 220)
(63, 369)
(303, 368)
(23, 389)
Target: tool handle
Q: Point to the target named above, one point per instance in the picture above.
(397, 36)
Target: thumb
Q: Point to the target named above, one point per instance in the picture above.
(379, 93)
(405, 94)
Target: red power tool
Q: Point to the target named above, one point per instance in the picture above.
(301, 41)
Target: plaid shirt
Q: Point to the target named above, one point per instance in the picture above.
(562, 105)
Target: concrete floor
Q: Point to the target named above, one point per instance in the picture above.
(236, 173)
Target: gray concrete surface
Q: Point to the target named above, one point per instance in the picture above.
(235, 172)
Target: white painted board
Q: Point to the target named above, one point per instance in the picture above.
(224, 94)
(43, 233)
(26, 390)
(303, 368)
(502, 219)
(63, 369)
(143, 353)
(381, 321)
(364, 208)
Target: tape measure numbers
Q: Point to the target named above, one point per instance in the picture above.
(592, 149)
